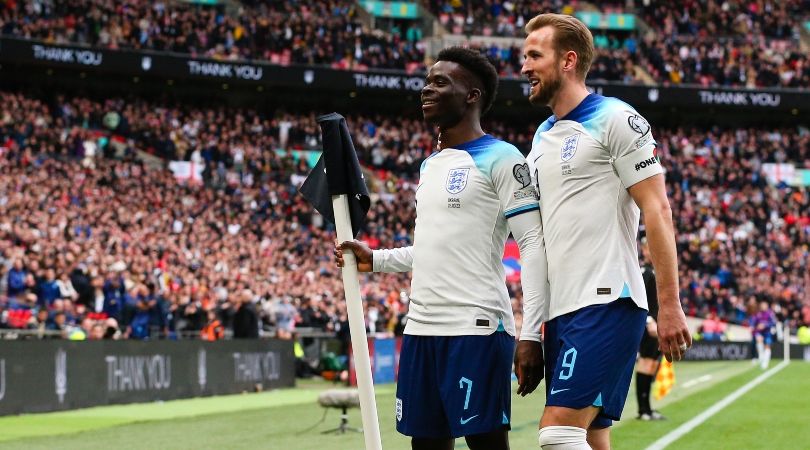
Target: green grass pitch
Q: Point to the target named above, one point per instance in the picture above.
(772, 415)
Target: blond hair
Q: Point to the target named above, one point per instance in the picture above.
(570, 34)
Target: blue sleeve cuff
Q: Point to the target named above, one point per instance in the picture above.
(518, 211)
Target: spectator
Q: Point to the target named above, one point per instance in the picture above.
(97, 332)
(713, 329)
(213, 330)
(245, 319)
(48, 289)
(285, 314)
(17, 279)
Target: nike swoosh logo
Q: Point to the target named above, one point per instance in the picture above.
(464, 421)
(558, 390)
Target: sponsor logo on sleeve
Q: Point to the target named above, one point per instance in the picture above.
(649, 161)
(527, 192)
(522, 174)
(643, 140)
(638, 124)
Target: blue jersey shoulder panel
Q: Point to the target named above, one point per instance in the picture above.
(424, 163)
(486, 151)
(593, 113)
(545, 126)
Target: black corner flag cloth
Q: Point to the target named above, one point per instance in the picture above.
(337, 172)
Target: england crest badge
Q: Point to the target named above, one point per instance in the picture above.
(457, 180)
(569, 147)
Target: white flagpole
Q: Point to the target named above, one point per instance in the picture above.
(786, 340)
(357, 327)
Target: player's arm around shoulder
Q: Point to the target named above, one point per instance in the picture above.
(521, 207)
(527, 230)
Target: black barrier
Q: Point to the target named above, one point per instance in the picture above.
(169, 65)
(57, 375)
(719, 351)
(739, 351)
(800, 352)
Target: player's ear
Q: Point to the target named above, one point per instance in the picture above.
(570, 61)
(474, 95)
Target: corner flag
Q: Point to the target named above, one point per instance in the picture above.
(664, 380)
(337, 190)
(337, 172)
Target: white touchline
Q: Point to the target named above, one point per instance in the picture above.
(696, 381)
(677, 433)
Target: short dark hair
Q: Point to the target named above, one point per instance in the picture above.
(477, 64)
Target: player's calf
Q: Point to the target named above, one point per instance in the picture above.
(432, 443)
(495, 440)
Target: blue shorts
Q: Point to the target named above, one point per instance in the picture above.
(453, 386)
(590, 354)
(767, 338)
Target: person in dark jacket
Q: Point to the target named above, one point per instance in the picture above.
(245, 319)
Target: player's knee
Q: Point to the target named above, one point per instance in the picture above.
(563, 438)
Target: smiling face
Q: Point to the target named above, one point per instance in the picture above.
(447, 94)
(542, 66)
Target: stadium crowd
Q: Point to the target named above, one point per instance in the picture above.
(725, 43)
(80, 252)
(300, 32)
(729, 43)
(82, 256)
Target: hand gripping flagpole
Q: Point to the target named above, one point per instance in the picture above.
(357, 327)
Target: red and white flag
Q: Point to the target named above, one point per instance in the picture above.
(187, 172)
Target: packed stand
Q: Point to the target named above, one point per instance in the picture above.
(728, 43)
(709, 43)
(82, 256)
(94, 246)
(499, 17)
(96, 257)
(299, 32)
(741, 240)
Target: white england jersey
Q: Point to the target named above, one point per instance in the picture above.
(464, 198)
(582, 165)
